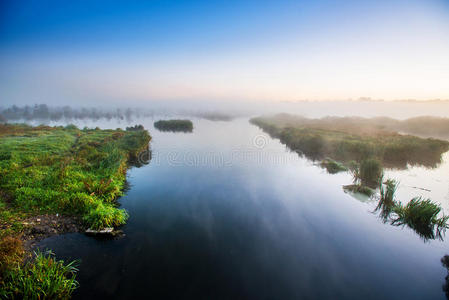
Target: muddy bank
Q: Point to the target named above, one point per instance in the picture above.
(39, 227)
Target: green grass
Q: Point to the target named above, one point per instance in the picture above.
(42, 278)
(174, 125)
(67, 170)
(422, 215)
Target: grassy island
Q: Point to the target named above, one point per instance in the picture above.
(359, 145)
(352, 139)
(60, 171)
(174, 125)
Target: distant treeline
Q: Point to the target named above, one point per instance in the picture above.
(42, 112)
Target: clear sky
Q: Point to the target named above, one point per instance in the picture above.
(99, 51)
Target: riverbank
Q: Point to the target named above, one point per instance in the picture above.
(56, 180)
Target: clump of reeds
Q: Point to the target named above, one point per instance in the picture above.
(421, 215)
(42, 278)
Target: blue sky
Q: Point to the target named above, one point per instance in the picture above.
(101, 51)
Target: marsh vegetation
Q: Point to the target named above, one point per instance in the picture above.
(42, 277)
(174, 125)
(352, 139)
(422, 215)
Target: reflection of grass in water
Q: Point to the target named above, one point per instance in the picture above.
(387, 202)
(357, 188)
(421, 215)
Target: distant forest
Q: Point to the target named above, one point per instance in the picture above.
(45, 113)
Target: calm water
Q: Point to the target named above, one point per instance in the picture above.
(228, 213)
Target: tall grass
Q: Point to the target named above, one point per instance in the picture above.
(422, 215)
(42, 278)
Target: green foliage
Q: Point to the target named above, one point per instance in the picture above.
(174, 125)
(43, 278)
(67, 170)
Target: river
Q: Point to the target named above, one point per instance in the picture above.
(227, 212)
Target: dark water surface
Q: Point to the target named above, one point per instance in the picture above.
(226, 212)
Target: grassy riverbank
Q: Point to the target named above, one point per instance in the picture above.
(358, 145)
(62, 171)
(352, 139)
